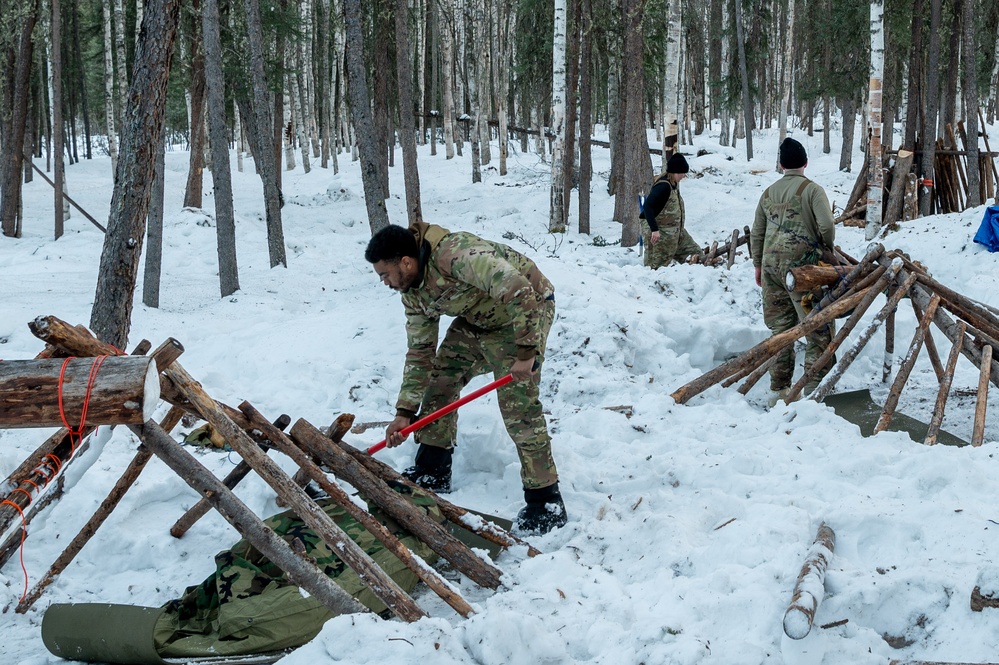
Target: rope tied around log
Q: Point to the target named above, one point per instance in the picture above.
(91, 380)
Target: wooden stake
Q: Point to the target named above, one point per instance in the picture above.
(424, 572)
(948, 377)
(383, 586)
(931, 346)
(889, 358)
(410, 518)
(804, 603)
(830, 380)
(891, 402)
(732, 246)
(978, 433)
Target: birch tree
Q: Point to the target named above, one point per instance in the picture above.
(447, 23)
(874, 174)
(109, 96)
(557, 213)
(671, 100)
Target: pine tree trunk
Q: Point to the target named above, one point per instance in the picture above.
(374, 197)
(154, 232)
(381, 97)
(571, 91)
(407, 126)
(59, 173)
(109, 96)
(420, 94)
(111, 316)
(324, 79)
(585, 114)
(849, 123)
(874, 172)
(970, 89)
(994, 87)
(263, 121)
(914, 94)
(637, 167)
(503, 34)
(472, 7)
(78, 55)
(928, 141)
(483, 70)
(948, 105)
(194, 192)
(747, 103)
(788, 74)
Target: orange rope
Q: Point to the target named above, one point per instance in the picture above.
(91, 379)
(24, 534)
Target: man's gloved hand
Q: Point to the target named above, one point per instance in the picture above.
(393, 437)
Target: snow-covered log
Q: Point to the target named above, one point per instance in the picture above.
(810, 587)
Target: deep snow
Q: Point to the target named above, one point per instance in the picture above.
(688, 524)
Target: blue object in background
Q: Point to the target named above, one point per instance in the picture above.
(988, 232)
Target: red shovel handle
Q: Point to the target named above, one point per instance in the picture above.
(443, 411)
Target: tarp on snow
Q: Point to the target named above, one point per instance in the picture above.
(988, 232)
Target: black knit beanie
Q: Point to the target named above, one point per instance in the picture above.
(677, 164)
(792, 154)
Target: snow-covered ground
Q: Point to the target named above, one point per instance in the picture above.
(688, 524)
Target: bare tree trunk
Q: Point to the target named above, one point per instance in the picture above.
(297, 91)
(111, 316)
(725, 39)
(447, 25)
(120, 64)
(970, 89)
(78, 54)
(225, 222)
(671, 83)
(407, 125)
(374, 197)
(914, 103)
(109, 96)
(556, 216)
(263, 121)
(788, 63)
(585, 114)
(849, 123)
(747, 103)
(929, 124)
(472, 12)
(482, 86)
(154, 232)
(874, 173)
(59, 174)
(194, 192)
(948, 104)
(637, 165)
(324, 80)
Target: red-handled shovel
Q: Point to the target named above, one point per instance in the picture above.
(443, 411)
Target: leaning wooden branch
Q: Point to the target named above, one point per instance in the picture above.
(978, 433)
(810, 587)
(364, 518)
(948, 377)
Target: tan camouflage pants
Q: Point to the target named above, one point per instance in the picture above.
(674, 243)
(467, 352)
(782, 310)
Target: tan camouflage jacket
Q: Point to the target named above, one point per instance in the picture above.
(793, 225)
(488, 284)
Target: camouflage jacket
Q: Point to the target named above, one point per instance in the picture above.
(489, 285)
(793, 225)
(663, 207)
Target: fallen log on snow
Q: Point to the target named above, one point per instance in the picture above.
(810, 587)
(78, 391)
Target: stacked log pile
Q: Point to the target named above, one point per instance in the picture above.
(971, 327)
(250, 435)
(715, 254)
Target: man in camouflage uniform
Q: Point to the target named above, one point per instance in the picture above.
(793, 227)
(503, 308)
(663, 218)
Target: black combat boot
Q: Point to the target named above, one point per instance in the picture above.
(544, 511)
(432, 469)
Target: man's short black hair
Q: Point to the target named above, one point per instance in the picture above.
(391, 244)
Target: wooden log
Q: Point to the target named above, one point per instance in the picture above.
(17, 536)
(383, 586)
(830, 380)
(829, 352)
(896, 197)
(933, 430)
(732, 246)
(78, 391)
(300, 569)
(858, 191)
(410, 518)
(889, 357)
(931, 346)
(810, 586)
(424, 572)
(746, 233)
(910, 203)
(456, 514)
(978, 433)
(858, 276)
(709, 258)
(756, 375)
(766, 348)
(240, 471)
(111, 501)
(809, 278)
(891, 402)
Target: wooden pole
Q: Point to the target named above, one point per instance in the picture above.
(830, 380)
(903, 164)
(111, 501)
(978, 434)
(931, 346)
(732, 246)
(409, 517)
(948, 377)
(383, 586)
(889, 357)
(299, 569)
(756, 375)
(811, 580)
(891, 402)
(424, 572)
(454, 513)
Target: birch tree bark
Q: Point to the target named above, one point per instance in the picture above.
(671, 100)
(970, 89)
(557, 212)
(297, 93)
(263, 121)
(407, 124)
(725, 38)
(109, 96)
(483, 70)
(473, 7)
(374, 197)
(874, 173)
(447, 23)
(225, 221)
(119, 52)
(324, 81)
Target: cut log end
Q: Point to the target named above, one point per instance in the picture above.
(151, 392)
(798, 621)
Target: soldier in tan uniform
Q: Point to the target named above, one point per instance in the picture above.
(793, 227)
(503, 308)
(664, 217)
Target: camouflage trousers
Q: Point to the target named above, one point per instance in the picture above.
(782, 310)
(467, 352)
(674, 243)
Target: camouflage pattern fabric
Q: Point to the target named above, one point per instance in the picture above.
(792, 227)
(467, 352)
(674, 241)
(249, 606)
